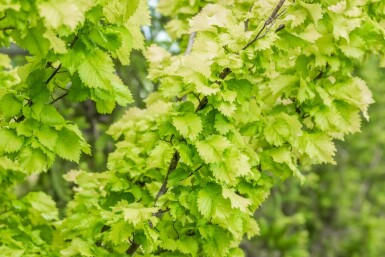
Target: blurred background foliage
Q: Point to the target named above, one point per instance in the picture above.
(339, 211)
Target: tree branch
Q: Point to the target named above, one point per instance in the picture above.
(58, 98)
(190, 43)
(7, 28)
(171, 168)
(53, 74)
(13, 50)
(163, 189)
(133, 247)
(5, 16)
(272, 17)
(58, 67)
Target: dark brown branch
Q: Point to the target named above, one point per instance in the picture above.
(280, 27)
(204, 101)
(171, 168)
(59, 67)
(163, 189)
(53, 74)
(5, 16)
(7, 28)
(160, 212)
(274, 13)
(202, 104)
(198, 168)
(272, 17)
(134, 246)
(60, 97)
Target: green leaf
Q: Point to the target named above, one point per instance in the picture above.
(283, 155)
(47, 136)
(315, 10)
(108, 38)
(135, 213)
(319, 147)
(211, 204)
(58, 45)
(189, 125)
(119, 232)
(58, 13)
(44, 204)
(211, 150)
(50, 116)
(122, 93)
(237, 201)
(161, 155)
(68, 145)
(130, 8)
(187, 245)
(234, 165)
(9, 141)
(251, 227)
(282, 128)
(105, 106)
(10, 106)
(78, 246)
(27, 127)
(205, 202)
(123, 53)
(33, 160)
(96, 70)
(35, 42)
(217, 245)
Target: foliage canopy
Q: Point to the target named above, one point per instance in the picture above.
(263, 88)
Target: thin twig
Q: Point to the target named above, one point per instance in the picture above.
(60, 97)
(272, 17)
(7, 28)
(58, 67)
(198, 168)
(173, 225)
(5, 16)
(53, 74)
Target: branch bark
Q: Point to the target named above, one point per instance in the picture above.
(171, 168)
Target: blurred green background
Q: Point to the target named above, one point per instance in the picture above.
(339, 211)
